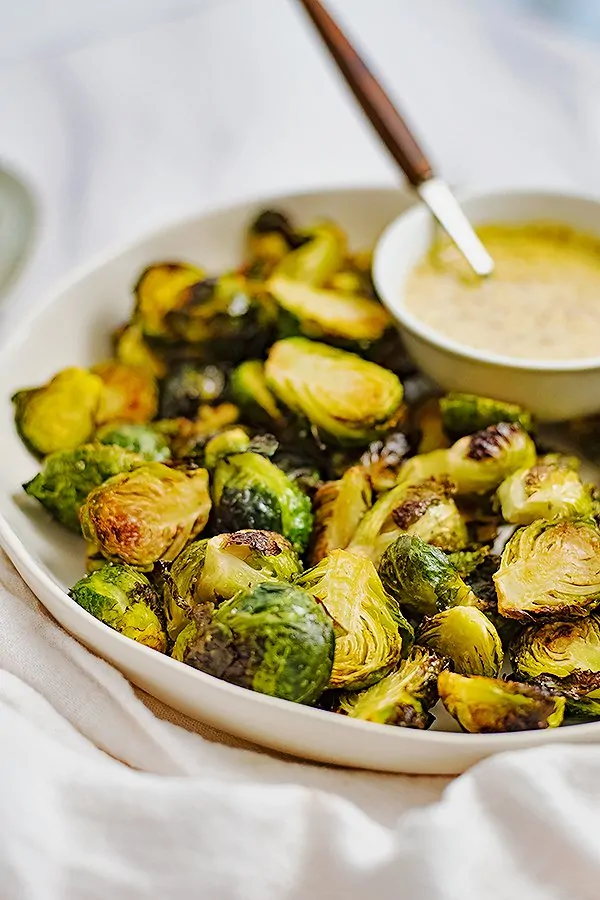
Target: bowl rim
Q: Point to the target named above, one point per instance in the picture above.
(406, 320)
(25, 562)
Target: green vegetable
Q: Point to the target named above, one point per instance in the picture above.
(187, 387)
(422, 579)
(551, 489)
(141, 439)
(147, 515)
(381, 461)
(464, 635)
(402, 698)
(249, 491)
(486, 705)
(124, 599)
(275, 639)
(159, 290)
(371, 629)
(68, 477)
(339, 507)
(252, 395)
(128, 394)
(316, 259)
(465, 413)
(349, 400)
(550, 568)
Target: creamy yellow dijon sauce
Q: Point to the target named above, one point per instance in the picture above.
(542, 302)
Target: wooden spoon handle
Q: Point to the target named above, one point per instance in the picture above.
(378, 107)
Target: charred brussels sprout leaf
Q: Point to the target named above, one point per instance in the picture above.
(349, 400)
(224, 318)
(147, 515)
(124, 599)
(187, 387)
(339, 507)
(141, 439)
(425, 509)
(328, 314)
(219, 568)
(370, 627)
(250, 392)
(61, 415)
(159, 290)
(274, 639)
(550, 568)
(487, 705)
(129, 394)
(67, 478)
(402, 698)
(249, 491)
(464, 635)
(479, 462)
(427, 422)
(466, 562)
(382, 460)
(131, 349)
(551, 489)
(421, 578)
(270, 237)
(463, 414)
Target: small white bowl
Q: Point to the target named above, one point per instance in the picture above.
(554, 390)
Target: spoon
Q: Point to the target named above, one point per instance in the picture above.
(399, 140)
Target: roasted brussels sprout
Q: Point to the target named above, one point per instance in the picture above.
(128, 395)
(147, 515)
(487, 705)
(402, 698)
(275, 639)
(224, 444)
(328, 314)
(131, 349)
(61, 415)
(67, 478)
(250, 392)
(381, 461)
(316, 259)
(550, 568)
(219, 568)
(566, 651)
(466, 562)
(478, 462)
(124, 599)
(427, 421)
(551, 489)
(224, 318)
(270, 237)
(159, 290)
(188, 438)
(371, 629)
(463, 414)
(339, 507)
(464, 635)
(422, 579)
(250, 491)
(144, 440)
(189, 386)
(349, 400)
(425, 509)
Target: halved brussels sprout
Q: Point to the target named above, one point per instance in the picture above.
(148, 514)
(159, 290)
(551, 489)
(68, 477)
(422, 579)
(317, 258)
(463, 414)
(188, 438)
(60, 415)
(224, 318)
(349, 400)
(128, 395)
(425, 509)
(488, 705)
(124, 599)
(249, 491)
(252, 395)
(187, 387)
(275, 639)
(131, 349)
(141, 439)
(478, 462)
(219, 568)
(550, 568)
(328, 314)
(270, 237)
(226, 443)
(339, 506)
(466, 636)
(381, 461)
(559, 648)
(402, 698)
(371, 628)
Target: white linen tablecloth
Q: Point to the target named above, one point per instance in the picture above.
(104, 791)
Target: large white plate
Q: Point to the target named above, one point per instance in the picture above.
(71, 327)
